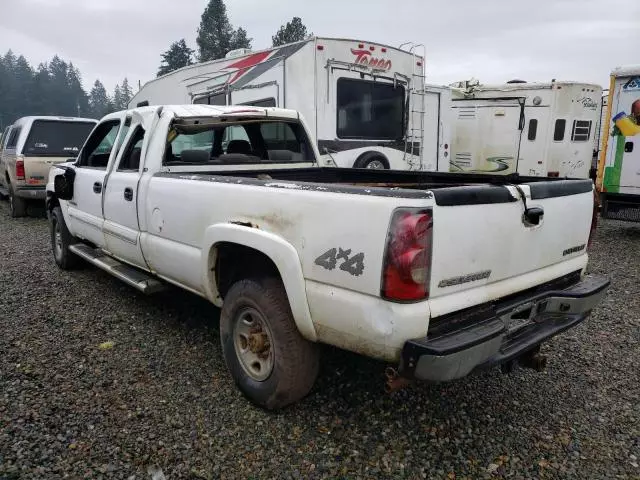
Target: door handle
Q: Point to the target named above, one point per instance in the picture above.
(128, 194)
(97, 187)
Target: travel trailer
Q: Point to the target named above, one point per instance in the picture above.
(366, 103)
(619, 164)
(535, 129)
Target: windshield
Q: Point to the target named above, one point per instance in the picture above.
(268, 141)
(52, 138)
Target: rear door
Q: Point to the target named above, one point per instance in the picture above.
(483, 247)
(85, 209)
(50, 142)
(121, 227)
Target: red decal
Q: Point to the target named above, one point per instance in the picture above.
(246, 63)
(364, 57)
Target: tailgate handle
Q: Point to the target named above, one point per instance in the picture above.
(533, 215)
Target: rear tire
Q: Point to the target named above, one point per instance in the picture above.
(373, 161)
(61, 240)
(17, 205)
(270, 362)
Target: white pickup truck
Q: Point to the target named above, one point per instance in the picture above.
(441, 274)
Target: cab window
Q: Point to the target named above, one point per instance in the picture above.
(97, 150)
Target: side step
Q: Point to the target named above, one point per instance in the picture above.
(137, 279)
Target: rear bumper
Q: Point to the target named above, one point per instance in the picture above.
(501, 334)
(620, 206)
(31, 192)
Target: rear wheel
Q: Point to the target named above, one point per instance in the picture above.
(17, 205)
(270, 362)
(61, 240)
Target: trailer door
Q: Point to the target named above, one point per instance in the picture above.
(432, 132)
(534, 140)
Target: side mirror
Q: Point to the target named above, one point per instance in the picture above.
(63, 184)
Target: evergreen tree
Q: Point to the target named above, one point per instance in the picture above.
(293, 31)
(216, 35)
(99, 102)
(179, 55)
(122, 96)
(239, 39)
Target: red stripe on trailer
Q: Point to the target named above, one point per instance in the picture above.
(246, 63)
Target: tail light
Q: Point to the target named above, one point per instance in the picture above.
(554, 174)
(19, 169)
(407, 262)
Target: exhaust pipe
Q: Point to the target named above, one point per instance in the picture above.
(394, 381)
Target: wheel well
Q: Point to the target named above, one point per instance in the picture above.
(370, 155)
(52, 202)
(234, 262)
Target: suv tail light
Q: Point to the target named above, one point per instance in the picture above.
(407, 263)
(19, 169)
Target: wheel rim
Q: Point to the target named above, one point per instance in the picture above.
(253, 343)
(57, 239)
(375, 165)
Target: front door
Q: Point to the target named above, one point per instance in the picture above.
(121, 228)
(85, 209)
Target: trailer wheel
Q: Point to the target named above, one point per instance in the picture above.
(270, 362)
(372, 160)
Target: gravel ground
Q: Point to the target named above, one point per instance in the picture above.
(158, 397)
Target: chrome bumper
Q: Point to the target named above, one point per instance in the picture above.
(502, 333)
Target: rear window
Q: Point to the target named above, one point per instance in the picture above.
(50, 138)
(252, 142)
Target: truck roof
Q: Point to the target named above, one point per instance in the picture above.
(626, 71)
(30, 119)
(197, 110)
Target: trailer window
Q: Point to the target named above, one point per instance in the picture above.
(558, 132)
(533, 129)
(581, 130)
(370, 110)
(217, 99)
(265, 102)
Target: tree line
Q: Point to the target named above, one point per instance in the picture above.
(217, 37)
(55, 87)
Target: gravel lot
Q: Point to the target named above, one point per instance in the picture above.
(160, 397)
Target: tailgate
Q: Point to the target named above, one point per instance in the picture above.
(481, 237)
(36, 169)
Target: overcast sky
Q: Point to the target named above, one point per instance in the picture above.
(492, 40)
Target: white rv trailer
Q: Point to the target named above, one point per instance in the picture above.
(619, 164)
(536, 129)
(367, 103)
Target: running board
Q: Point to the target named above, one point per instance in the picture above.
(131, 276)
